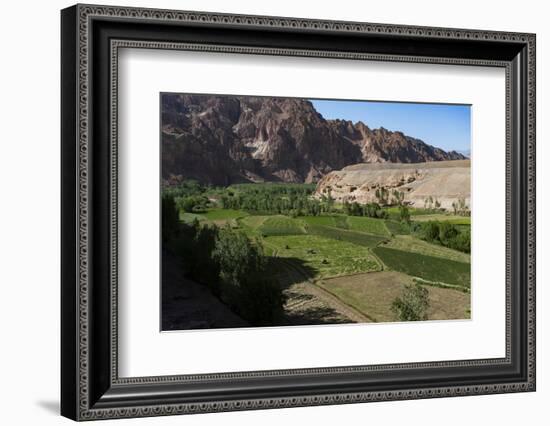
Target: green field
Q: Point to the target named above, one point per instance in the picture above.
(427, 267)
(368, 224)
(280, 225)
(334, 221)
(253, 221)
(323, 257)
(336, 245)
(190, 217)
(455, 220)
(415, 245)
(397, 228)
(395, 212)
(353, 223)
(223, 214)
(359, 238)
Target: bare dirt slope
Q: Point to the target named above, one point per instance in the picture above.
(446, 181)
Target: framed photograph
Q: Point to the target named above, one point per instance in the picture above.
(263, 212)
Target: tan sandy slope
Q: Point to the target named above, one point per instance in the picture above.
(445, 181)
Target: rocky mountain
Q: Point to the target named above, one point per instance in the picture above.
(230, 139)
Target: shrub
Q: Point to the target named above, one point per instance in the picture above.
(447, 232)
(431, 231)
(413, 304)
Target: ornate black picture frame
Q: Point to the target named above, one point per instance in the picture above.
(91, 387)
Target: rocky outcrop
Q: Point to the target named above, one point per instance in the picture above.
(230, 139)
(444, 181)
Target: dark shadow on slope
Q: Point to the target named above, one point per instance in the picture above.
(188, 305)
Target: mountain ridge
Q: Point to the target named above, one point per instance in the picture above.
(222, 140)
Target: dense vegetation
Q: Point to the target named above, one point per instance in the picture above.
(189, 196)
(228, 262)
(287, 199)
(444, 233)
(370, 210)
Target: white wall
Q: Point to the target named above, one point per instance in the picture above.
(29, 225)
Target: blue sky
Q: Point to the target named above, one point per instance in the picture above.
(441, 125)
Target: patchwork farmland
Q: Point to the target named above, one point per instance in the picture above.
(335, 267)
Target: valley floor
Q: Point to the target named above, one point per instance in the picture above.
(333, 269)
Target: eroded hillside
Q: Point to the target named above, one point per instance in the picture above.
(444, 181)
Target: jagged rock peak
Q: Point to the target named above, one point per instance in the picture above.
(226, 139)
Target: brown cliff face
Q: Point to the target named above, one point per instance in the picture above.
(229, 139)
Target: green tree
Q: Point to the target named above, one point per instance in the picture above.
(404, 214)
(413, 304)
(431, 231)
(236, 256)
(461, 242)
(447, 232)
(245, 284)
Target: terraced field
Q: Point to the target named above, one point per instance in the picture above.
(281, 225)
(219, 217)
(217, 214)
(250, 224)
(359, 238)
(455, 220)
(326, 256)
(333, 221)
(369, 225)
(430, 268)
(395, 212)
(340, 269)
(397, 228)
(415, 245)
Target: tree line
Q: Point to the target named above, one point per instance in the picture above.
(444, 233)
(373, 210)
(232, 266)
(287, 199)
